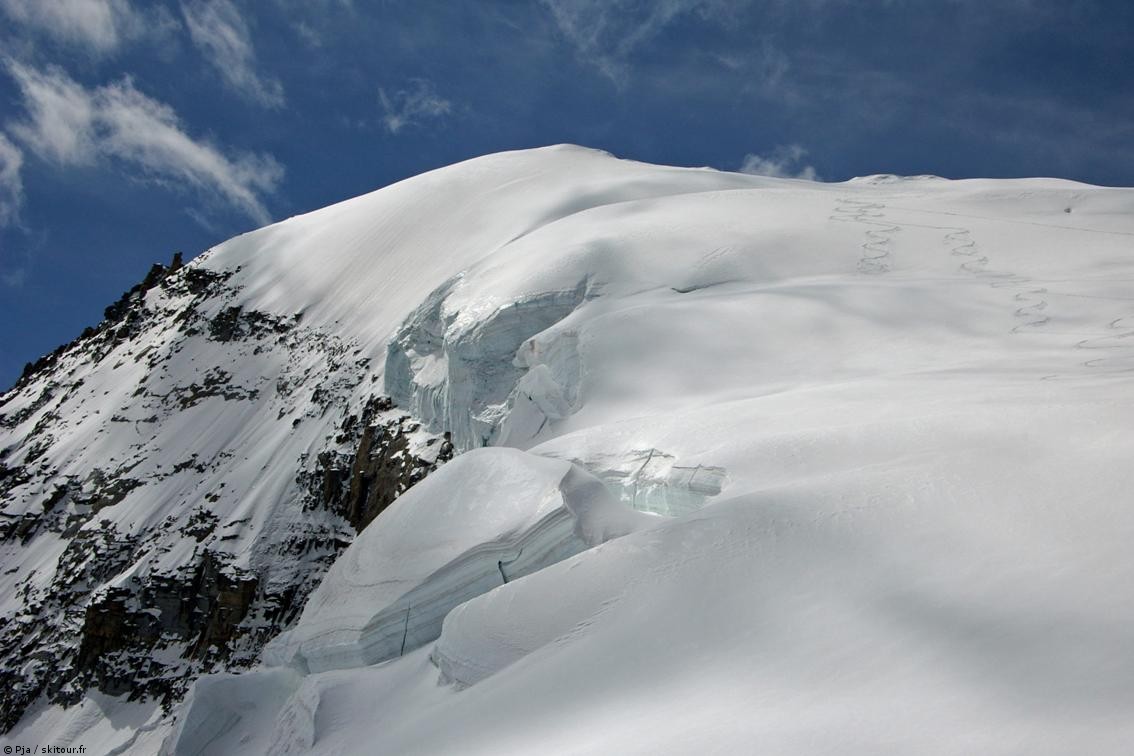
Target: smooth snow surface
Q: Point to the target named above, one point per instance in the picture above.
(100, 723)
(878, 436)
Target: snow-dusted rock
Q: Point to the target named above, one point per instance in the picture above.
(488, 517)
(880, 428)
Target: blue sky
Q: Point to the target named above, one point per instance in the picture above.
(132, 129)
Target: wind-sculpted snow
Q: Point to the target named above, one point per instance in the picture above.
(865, 446)
(488, 517)
(176, 481)
(220, 704)
(822, 607)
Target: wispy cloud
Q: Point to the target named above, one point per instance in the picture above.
(221, 34)
(408, 107)
(69, 124)
(606, 33)
(100, 25)
(60, 116)
(783, 162)
(11, 184)
(308, 35)
(13, 265)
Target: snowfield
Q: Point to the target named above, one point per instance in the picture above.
(747, 465)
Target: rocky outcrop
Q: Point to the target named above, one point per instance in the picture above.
(96, 628)
(145, 580)
(199, 612)
(233, 324)
(358, 485)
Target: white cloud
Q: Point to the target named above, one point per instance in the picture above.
(11, 185)
(220, 33)
(407, 107)
(783, 162)
(69, 124)
(605, 33)
(12, 273)
(60, 116)
(307, 35)
(98, 24)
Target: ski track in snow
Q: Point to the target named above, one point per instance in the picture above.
(1123, 329)
(773, 483)
(573, 628)
(876, 249)
(1032, 301)
(1030, 304)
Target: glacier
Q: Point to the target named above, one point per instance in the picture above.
(745, 464)
(506, 514)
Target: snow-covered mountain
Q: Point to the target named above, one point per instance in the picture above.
(743, 465)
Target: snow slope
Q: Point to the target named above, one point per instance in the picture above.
(159, 476)
(505, 514)
(880, 429)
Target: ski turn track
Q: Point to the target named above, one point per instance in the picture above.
(1031, 301)
(876, 250)
(1121, 338)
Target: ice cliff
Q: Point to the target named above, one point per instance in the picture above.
(742, 463)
